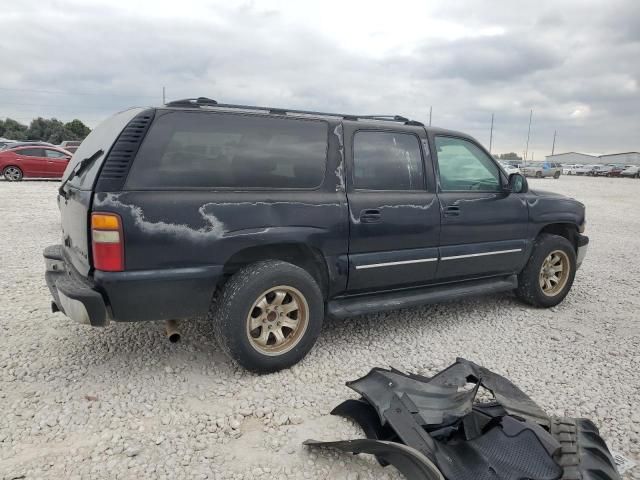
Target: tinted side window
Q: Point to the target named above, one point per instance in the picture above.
(31, 152)
(464, 166)
(216, 150)
(53, 153)
(387, 161)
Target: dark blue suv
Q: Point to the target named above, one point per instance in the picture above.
(268, 219)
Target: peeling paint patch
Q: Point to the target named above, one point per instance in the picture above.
(213, 227)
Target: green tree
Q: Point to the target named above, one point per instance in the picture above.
(77, 129)
(13, 129)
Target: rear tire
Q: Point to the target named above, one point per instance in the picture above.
(268, 315)
(538, 174)
(556, 175)
(548, 275)
(12, 174)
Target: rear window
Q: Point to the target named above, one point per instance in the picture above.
(100, 138)
(220, 150)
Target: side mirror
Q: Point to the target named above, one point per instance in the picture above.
(517, 184)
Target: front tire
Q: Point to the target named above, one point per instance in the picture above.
(548, 275)
(12, 174)
(268, 316)
(538, 174)
(556, 175)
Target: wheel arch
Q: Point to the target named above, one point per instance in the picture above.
(562, 229)
(302, 255)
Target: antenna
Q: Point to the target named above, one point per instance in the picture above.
(491, 135)
(553, 147)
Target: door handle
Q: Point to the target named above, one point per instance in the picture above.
(452, 211)
(370, 216)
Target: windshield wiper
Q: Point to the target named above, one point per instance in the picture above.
(80, 167)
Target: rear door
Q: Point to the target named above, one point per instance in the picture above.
(393, 209)
(484, 229)
(56, 162)
(77, 193)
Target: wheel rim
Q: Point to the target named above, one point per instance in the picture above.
(12, 173)
(554, 273)
(277, 320)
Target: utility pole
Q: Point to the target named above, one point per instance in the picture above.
(430, 112)
(164, 100)
(553, 147)
(526, 150)
(491, 135)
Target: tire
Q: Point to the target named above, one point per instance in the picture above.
(237, 307)
(556, 175)
(12, 173)
(552, 293)
(538, 174)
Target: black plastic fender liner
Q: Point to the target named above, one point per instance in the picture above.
(512, 399)
(360, 412)
(436, 404)
(409, 461)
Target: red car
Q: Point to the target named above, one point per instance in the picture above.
(33, 162)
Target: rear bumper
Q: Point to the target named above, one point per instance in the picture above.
(582, 246)
(165, 294)
(72, 295)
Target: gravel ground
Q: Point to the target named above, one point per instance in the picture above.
(123, 402)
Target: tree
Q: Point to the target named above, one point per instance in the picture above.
(44, 129)
(509, 156)
(76, 128)
(13, 129)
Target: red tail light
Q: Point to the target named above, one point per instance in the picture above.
(107, 242)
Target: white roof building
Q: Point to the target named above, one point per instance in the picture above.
(568, 158)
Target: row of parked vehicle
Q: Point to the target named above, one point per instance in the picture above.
(552, 169)
(20, 160)
(609, 170)
(533, 169)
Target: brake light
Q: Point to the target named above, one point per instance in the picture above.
(107, 242)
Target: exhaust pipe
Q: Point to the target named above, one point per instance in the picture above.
(172, 332)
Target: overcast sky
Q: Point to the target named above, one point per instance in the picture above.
(576, 63)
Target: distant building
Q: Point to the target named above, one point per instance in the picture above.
(568, 158)
(627, 158)
(573, 158)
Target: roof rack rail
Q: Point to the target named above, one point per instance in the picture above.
(191, 102)
(208, 102)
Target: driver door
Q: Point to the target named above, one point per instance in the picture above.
(483, 228)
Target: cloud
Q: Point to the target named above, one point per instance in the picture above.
(574, 63)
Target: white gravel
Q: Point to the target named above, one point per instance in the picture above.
(123, 402)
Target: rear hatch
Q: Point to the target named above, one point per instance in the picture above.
(78, 181)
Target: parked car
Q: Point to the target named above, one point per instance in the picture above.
(542, 169)
(583, 170)
(602, 170)
(70, 145)
(596, 169)
(615, 170)
(508, 168)
(269, 219)
(571, 169)
(631, 171)
(33, 161)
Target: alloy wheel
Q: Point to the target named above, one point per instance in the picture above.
(554, 273)
(277, 320)
(12, 174)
